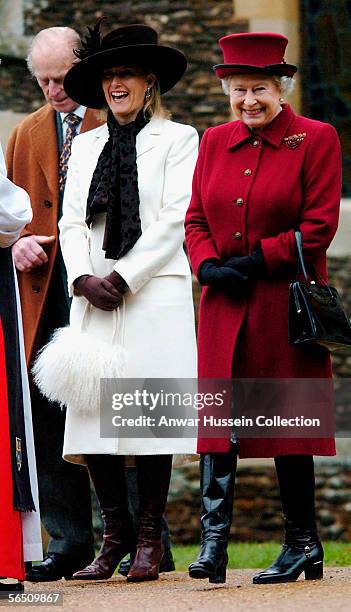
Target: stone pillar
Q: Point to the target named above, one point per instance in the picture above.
(8, 121)
(12, 39)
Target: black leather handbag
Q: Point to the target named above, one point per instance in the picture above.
(316, 316)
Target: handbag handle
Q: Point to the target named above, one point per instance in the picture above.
(119, 316)
(301, 269)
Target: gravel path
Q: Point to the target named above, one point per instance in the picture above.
(177, 592)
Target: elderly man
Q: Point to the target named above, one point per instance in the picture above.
(37, 157)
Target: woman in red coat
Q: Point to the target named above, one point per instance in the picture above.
(257, 180)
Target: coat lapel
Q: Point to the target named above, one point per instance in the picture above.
(44, 144)
(146, 140)
(148, 137)
(98, 143)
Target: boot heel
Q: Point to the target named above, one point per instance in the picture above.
(314, 571)
(219, 577)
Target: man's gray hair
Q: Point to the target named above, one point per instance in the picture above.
(53, 36)
(285, 84)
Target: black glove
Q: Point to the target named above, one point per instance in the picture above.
(253, 266)
(98, 291)
(222, 277)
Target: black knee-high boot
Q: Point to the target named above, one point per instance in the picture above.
(217, 476)
(302, 550)
(107, 474)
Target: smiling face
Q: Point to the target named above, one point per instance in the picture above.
(124, 89)
(50, 66)
(254, 99)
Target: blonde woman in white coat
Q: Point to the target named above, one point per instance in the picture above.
(127, 190)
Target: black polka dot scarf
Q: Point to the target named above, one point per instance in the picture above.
(114, 188)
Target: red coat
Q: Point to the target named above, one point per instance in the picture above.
(249, 191)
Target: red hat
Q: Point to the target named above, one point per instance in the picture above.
(261, 52)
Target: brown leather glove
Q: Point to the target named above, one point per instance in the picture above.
(100, 292)
(117, 281)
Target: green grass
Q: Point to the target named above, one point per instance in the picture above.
(252, 555)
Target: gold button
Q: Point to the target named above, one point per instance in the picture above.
(239, 201)
(247, 172)
(255, 143)
(237, 235)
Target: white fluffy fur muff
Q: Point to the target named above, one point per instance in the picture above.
(69, 368)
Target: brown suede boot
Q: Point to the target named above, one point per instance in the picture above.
(107, 474)
(154, 472)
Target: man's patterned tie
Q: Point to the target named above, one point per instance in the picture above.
(72, 121)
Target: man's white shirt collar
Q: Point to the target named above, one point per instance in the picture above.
(79, 111)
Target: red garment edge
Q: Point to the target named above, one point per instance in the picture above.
(11, 539)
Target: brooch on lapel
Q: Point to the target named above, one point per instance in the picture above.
(293, 141)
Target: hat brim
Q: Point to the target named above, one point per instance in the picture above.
(225, 70)
(83, 82)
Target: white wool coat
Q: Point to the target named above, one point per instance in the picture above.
(159, 328)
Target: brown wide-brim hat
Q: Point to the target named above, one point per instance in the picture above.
(133, 45)
(254, 52)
